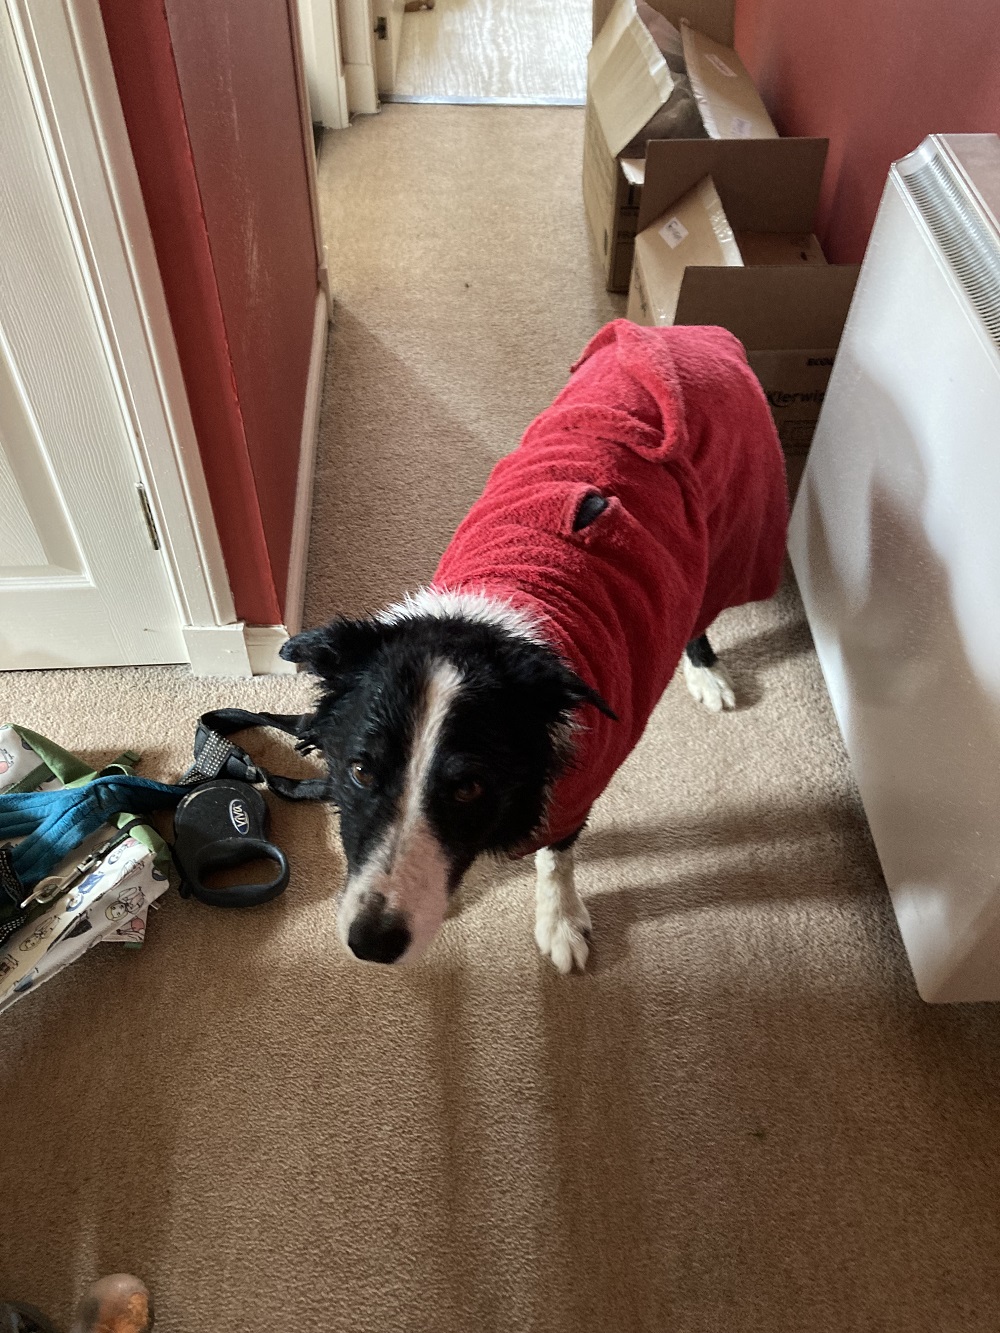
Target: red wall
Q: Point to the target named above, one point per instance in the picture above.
(237, 79)
(210, 100)
(875, 77)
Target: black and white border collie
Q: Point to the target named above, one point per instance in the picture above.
(445, 721)
(486, 714)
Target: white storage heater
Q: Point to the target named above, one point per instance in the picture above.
(895, 541)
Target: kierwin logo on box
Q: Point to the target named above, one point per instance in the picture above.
(781, 398)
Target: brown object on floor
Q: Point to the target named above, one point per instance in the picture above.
(118, 1303)
(412, 6)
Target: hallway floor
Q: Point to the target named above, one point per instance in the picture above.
(518, 51)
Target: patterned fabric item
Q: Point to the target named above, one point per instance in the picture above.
(109, 903)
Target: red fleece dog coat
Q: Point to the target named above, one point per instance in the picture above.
(672, 427)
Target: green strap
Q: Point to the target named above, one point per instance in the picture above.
(59, 762)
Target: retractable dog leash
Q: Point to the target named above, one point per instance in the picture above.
(222, 822)
(222, 825)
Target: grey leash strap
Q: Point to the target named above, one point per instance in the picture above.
(217, 756)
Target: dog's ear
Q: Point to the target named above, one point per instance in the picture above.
(555, 686)
(334, 651)
(576, 693)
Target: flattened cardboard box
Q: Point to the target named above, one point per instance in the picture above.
(715, 19)
(628, 83)
(730, 105)
(695, 231)
(628, 90)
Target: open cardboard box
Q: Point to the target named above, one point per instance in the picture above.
(696, 231)
(738, 251)
(629, 86)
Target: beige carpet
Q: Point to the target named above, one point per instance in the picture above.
(504, 50)
(742, 1118)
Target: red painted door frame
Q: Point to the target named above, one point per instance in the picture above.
(210, 95)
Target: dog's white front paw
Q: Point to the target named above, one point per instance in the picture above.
(564, 939)
(709, 685)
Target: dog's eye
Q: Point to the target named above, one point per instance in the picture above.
(468, 791)
(361, 776)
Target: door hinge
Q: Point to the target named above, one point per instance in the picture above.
(147, 513)
(382, 28)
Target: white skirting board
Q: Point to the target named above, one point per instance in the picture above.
(237, 650)
(263, 644)
(217, 650)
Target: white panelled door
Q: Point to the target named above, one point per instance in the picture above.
(81, 580)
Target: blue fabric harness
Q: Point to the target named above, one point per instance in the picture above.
(53, 823)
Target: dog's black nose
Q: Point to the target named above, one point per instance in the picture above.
(378, 937)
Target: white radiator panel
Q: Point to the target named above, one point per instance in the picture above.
(895, 541)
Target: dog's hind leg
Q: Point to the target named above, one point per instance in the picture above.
(706, 677)
(562, 922)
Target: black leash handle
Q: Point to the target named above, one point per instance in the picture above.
(221, 824)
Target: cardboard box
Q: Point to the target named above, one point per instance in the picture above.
(712, 17)
(612, 205)
(765, 185)
(767, 282)
(632, 100)
(729, 104)
(696, 232)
